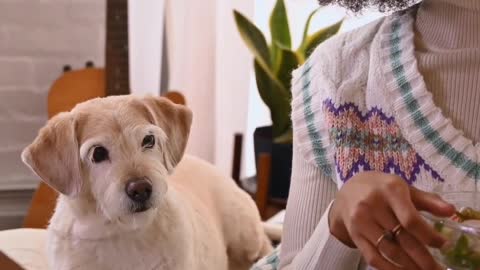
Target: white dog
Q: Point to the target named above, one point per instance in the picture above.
(129, 201)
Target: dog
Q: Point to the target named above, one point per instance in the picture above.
(130, 198)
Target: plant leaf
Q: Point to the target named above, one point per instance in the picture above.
(276, 98)
(275, 56)
(320, 36)
(289, 61)
(279, 25)
(280, 31)
(307, 26)
(254, 39)
(263, 83)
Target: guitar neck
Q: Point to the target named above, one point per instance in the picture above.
(116, 51)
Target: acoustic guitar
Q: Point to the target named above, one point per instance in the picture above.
(77, 86)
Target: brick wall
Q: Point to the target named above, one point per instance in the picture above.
(37, 38)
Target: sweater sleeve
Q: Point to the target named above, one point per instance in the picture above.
(307, 241)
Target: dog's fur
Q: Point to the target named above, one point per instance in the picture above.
(198, 218)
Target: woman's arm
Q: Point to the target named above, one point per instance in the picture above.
(307, 242)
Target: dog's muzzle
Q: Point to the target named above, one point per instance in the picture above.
(139, 190)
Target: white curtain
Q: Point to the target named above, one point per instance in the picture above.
(209, 64)
(191, 52)
(233, 82)
(146, 28)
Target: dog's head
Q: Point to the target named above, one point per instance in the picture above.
(112, 154)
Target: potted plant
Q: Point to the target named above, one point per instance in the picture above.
(273, 64)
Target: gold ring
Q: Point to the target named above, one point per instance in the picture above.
(390, 236)
(387, 235)
(396, 231)
(390, 260)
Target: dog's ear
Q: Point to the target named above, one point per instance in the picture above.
(54, 155)
(175, 120)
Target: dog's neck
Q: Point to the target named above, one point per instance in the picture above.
(74, 221)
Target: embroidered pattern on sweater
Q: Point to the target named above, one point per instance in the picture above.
(457, 158)
(371, 142)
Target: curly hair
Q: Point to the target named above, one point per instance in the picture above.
(358, 5)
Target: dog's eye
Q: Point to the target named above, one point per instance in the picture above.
(99, 154)
(148, 141)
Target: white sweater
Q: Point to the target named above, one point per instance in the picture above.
(361, 103)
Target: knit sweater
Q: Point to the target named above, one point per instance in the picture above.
(397, 96)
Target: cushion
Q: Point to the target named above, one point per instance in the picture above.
(27, 247)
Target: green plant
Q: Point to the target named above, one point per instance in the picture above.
(275, 62)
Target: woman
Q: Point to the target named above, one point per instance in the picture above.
(383, 116)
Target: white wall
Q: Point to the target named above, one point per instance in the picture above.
(37, 38)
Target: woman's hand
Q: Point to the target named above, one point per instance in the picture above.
(372, 203)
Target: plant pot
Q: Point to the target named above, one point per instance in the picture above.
(281, 166)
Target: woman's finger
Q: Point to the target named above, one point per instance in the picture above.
(433, 203)
(417, 251)
(363, 221)
(386, 219)
(389, 248)
(401, 203)
(372, 256)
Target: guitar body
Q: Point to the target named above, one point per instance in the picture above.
(81, 85)
(75, 87)
(72, 88)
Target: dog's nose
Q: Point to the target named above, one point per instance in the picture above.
(139, 190)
